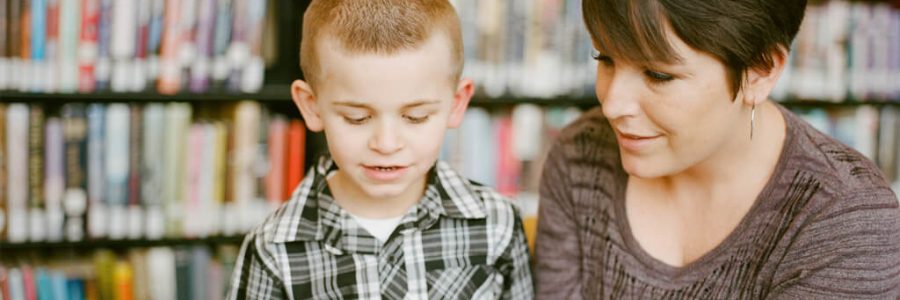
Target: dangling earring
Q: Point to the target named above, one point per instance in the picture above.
(752, 119)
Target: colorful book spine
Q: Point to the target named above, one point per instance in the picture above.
(12, 42)
(135, 212)
(122, 43)
(88, 46)
(17, 169)
(178, 119)
(37, 221)
(154, 38)
(97, 211)
(103, 69)
(75, 198)
(295, 156)
(153, 171)
(38, 36)
(201, 66)
(45, 79)
(69, 24)
(138, 79)
(277, 144)
(54, 180)
(4, 211)
(252, 73)
(4, 62)
(222, 36)
(169, 80)
(116, 147)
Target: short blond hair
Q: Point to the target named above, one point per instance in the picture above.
(378, 26)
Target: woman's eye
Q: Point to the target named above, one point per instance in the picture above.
(356, 121)
(416, 119)
(657, 76)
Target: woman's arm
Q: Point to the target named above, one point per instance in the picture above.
(558, 248)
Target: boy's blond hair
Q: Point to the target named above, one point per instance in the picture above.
(377, 26)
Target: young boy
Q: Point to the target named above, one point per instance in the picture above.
(380, 217)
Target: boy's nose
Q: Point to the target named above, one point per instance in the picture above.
(385, 140)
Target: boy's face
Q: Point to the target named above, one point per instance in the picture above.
(384, 116)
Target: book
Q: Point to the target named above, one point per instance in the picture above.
(69, 34)
(4, 212)
(169, 76)
(37, 223)
(88, 46)
(75, 197)
(123, 33)
(152, 170)
(294, 157)
(17, 172)
(103, 68)
(136, 211)
(54, 178)
(98, 215)
(277, 145)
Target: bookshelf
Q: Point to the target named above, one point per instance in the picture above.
(533, 75)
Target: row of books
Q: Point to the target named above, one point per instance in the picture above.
(160, 273)
(845, 50)
(139, 171)
(534, 48)
(131, 45)
(873, 131)
(539, 48)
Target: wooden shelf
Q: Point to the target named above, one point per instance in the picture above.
(118, 244)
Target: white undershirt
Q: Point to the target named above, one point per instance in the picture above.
(381, 229)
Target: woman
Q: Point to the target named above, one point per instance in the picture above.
(687, 182)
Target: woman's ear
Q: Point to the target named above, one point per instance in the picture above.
(305, 99)
(759, 81)
(461, 99)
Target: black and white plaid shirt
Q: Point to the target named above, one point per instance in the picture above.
(461, 241)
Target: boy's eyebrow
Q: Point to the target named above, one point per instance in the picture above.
(421, 102)
(416, 103)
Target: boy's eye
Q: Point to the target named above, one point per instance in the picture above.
(657, 76)
(416, 119)
(355, 120)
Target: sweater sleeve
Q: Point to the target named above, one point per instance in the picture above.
(558, 247)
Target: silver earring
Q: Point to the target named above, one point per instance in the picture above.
(752, 119)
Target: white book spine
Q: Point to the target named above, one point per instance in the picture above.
(17, 172)
(124, 31)
(69, 25)
(54, 180)
(117, 127)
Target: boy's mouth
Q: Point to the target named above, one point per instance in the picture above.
(384, 172)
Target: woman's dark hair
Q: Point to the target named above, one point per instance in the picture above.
(740, 33)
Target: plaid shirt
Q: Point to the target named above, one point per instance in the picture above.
(461, 241)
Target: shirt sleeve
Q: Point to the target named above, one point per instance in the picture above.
(251, 278)
(849, 251)
(557, 248)
(519, 279)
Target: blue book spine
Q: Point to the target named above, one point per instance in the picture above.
(38, 29)
(75, 288)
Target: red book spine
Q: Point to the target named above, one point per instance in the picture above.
(296, 152)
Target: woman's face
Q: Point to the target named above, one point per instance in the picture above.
(671, 117)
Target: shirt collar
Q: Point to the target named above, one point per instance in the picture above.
(312, 214)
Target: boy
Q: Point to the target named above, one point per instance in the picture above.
(380, 218)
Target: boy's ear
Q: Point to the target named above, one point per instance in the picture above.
(759, 81)
(461, 98)
(305, 100)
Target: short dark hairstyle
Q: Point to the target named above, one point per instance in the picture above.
(740, 33)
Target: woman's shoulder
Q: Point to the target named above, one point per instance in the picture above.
(839, 167)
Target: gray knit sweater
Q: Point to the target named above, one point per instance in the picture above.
(826, 225)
